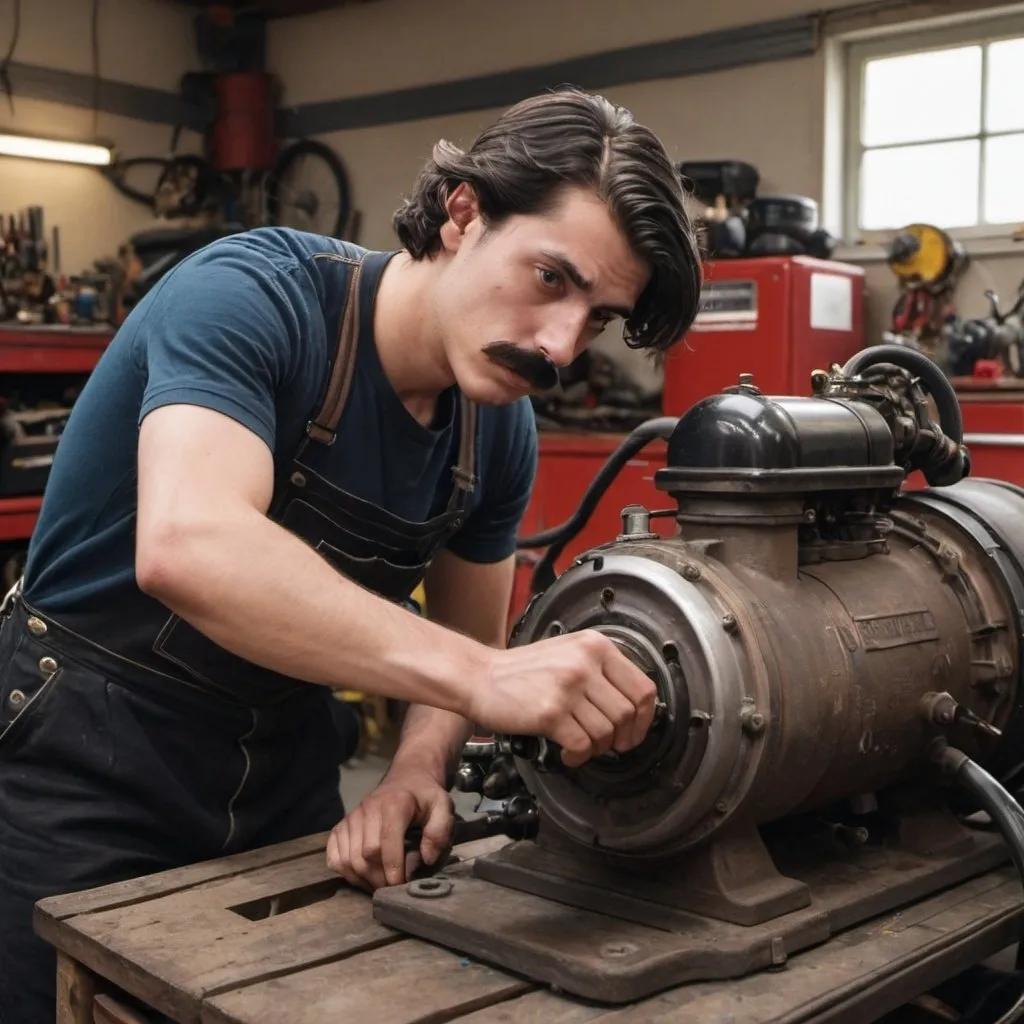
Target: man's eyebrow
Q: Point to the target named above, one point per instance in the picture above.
(574, 274)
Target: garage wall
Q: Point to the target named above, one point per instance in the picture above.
(772, 114)
(142, 42)
(394, 44)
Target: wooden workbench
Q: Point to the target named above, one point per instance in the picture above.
(274, 936)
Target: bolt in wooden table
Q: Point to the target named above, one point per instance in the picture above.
(273, 935)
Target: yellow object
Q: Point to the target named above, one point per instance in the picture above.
(935, 255)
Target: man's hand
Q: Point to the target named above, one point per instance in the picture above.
(367, 847)
(579, 690)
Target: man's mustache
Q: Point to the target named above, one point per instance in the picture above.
(534, 367)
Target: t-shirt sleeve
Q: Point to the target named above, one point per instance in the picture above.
(222, 332)
(489, 534)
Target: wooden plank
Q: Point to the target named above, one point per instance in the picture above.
(171, 951)
(76, 988)
(537, 1008)
(121, 894)
(408, 982)
(107, 1010)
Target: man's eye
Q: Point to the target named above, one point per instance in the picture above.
(549, 278)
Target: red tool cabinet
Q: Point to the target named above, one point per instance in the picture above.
(777, 317)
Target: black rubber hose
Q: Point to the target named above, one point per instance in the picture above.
(993, 797)
(650, 430)
(558, 536)
(1007, 814)
(920, 365)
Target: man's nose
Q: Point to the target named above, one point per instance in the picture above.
(560, 340)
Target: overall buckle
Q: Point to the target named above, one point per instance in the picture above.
(320, 434)
(10, 597)
(464, 479)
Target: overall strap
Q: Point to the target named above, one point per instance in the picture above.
(323, 425)
(464, 472)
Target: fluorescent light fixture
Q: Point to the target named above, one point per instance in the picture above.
(51, 149)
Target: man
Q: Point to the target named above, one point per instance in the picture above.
(285, 436)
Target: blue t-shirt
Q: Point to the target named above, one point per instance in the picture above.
(248, 327)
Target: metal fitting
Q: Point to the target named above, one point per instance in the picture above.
(938, 708)
(430, 888)
(752, 720)
(636, 524)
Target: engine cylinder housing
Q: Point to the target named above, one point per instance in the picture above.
(793, 627)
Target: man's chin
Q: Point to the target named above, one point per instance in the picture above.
(500, 387)
(495, 393)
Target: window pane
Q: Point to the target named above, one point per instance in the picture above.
(1004, 179)
(922, 96)
(936, 183)
(1005, 86)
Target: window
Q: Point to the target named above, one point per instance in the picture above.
(936, 130)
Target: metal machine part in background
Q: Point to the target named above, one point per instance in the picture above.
(723, 188)
(787, 226)
(28, 443)
(996, 340)
(736, 222)
(818, 641)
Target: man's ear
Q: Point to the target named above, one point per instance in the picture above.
(463, 209)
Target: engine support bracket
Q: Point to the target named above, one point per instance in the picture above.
(536, 912)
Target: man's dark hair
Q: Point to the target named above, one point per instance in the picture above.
(520, 164)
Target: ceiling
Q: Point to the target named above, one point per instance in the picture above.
(276, 8)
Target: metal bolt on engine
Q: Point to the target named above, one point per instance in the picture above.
(752, 720)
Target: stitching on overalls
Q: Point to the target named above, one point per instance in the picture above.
(232, 822)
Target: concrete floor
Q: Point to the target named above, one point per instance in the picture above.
(359, 776)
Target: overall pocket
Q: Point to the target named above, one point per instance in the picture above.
(377, 573)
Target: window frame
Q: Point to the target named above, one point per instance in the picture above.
(858, 52)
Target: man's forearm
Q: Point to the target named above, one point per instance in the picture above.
(431, 741)
(263, 594)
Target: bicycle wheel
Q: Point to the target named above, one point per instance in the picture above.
(308, 189)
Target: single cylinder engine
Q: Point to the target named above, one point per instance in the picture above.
(813, 626)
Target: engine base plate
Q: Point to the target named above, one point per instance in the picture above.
(534, 912)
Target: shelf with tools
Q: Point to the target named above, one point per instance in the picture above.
(33, 352)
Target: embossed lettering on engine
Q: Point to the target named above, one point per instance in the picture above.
(883, 631)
